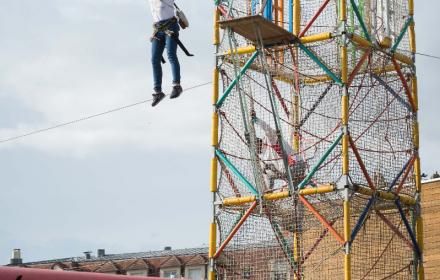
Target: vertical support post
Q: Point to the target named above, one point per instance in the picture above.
(415, 257)
(296, 17)
(295, 102)
(418, 225)
(296, 29)
(268, 10)
(214, 143)
(291, 16)
(345, 139)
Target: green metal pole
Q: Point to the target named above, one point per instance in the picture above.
(401, 35)
(234, 82)
(361, 21)
(236, 172)
(320, 64)
(321, 161)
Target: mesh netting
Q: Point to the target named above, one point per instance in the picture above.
(280, 119)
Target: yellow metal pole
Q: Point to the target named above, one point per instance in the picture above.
(296, 115)
(296, 17)
(214, 143)
(234, 201)
(344, 120)
(416, 144)
(316, 37)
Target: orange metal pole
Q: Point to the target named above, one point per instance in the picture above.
(322, 219)
(235, 230)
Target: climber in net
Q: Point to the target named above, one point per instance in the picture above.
(270, 150)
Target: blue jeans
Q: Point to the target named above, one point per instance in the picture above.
(159, 44)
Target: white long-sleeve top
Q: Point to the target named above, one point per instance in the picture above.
(272, 153)
(162, 9)
(271, 148)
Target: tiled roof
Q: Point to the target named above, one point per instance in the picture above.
(141, 255)
(173, 261)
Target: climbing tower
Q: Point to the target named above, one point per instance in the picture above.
(316, 171)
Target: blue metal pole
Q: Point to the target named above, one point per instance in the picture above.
(362, 218)
(394, 182)
(408, 228)
(268, 10)
(290, 16)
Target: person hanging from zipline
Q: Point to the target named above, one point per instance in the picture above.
(271, 154)
(166, 17)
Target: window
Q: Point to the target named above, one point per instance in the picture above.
(170, 273)
(195, 274)
(137, 273)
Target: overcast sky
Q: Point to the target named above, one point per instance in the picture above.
(135, 180)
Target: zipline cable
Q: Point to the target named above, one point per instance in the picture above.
(88, 117)
(428, 55)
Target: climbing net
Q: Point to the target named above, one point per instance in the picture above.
(284, 206)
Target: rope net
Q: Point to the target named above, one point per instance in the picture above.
(280, 131)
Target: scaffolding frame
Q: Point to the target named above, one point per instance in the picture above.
(351, 158)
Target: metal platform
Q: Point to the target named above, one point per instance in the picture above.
(247, 27)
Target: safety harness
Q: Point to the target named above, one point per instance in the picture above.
(165, 27)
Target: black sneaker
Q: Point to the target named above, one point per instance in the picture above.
(157, 97)
(177, 90)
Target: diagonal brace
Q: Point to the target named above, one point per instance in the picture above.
(362, 218)
(408, 228)
(237, 79)
(361, 21)
(394, 229)
(402, 34)
(318, 164)
(361, 164)
(320, 64)
(318, 101)
(324, 222)
(392, 91)
(235, 230)
(236, 172)
(405, 84)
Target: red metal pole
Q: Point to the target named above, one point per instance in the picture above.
(314, 18)
(405, 84)
(408, 169)
(14, 273)
(358, 67)
(361, 164)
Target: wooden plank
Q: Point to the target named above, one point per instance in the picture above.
(271, 33)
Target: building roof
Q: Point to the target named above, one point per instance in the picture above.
(113, 257)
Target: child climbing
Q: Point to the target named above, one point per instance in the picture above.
(166, 17)
(271, 153)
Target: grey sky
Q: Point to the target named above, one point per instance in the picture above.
(134, 180)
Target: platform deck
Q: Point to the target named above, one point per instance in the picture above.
(247, 27)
